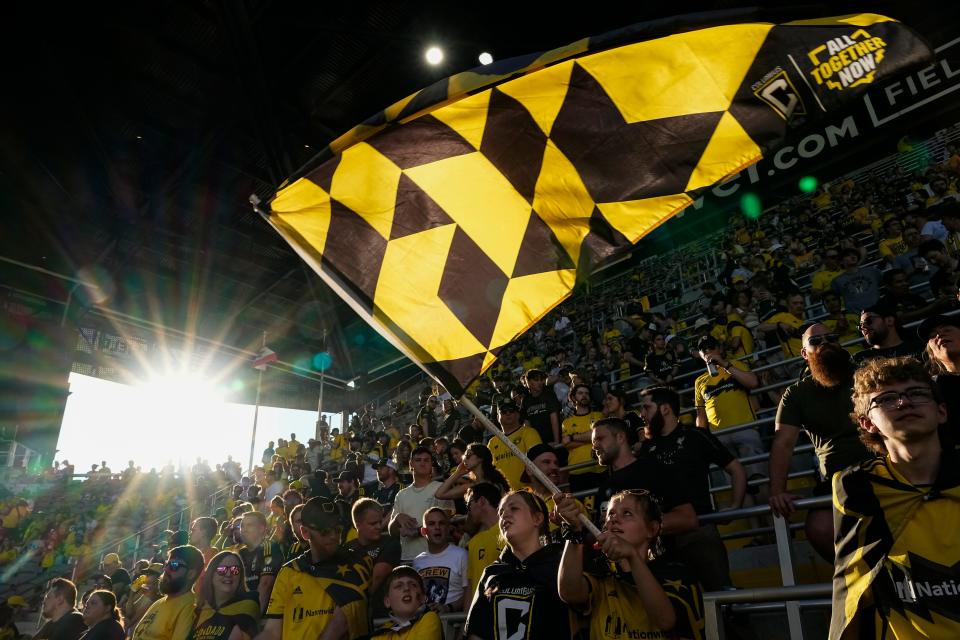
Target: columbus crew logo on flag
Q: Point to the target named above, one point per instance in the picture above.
(457, 218)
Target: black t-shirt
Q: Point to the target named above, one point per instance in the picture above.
(263, 560)
(108, 629)
(646, 472)
(690, 452)
(519, 599)
(70, 626)
(386, 550)
(537, 412)
(386, 495)
(470, 434)
(638, 348)
(824, 413)
(905, 348)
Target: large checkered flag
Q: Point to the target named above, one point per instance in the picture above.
(455, 219)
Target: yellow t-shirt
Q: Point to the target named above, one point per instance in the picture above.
(305, 596)
(482, 550)
(167, 618)
(338, 448)
(580, 451)
(821, 280)
(851, 332)
(723, 398)
(746, 341)
(283, 452)
(892, 247)
(503, 459)
(791, 346)
(428, 627)
(611, 334)
(617, 613)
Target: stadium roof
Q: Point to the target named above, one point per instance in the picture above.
(133, 134)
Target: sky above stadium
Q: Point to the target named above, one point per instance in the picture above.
(172, 420)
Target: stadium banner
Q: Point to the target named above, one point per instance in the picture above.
(455, 219)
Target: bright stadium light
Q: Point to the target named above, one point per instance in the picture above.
(485, 58)
(434, 55)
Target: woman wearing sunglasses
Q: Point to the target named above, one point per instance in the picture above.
(634, 594)
(102, 617)
(225, 609)
(517, 594)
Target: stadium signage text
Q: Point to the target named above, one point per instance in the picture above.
(882, 105)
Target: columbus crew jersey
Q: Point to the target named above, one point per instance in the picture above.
(306, 595)
(519, 600)
(616, 612)
(898, 555)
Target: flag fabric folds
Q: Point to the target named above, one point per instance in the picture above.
(264, 357)
(458, 217)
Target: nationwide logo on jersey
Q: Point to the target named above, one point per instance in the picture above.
(847, 61)
(927, 586)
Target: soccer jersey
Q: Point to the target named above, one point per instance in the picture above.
(616, 611)
(306, 595)
(581, 451)
(243, 611)
(897, 572)
(789, 344)
(519, 599)
(263, 560)
(725, 400)
(426, 627)
(482, 550)
(167, 618)
(503, 459)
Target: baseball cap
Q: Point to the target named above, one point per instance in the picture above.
(927, 326)
(701, 322)
(347, 476)
(319, 513)
(533, 453)
(385, 462)
(16, 601)
(508, 405)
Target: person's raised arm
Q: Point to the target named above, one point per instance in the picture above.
(571, 584)
(450, 490)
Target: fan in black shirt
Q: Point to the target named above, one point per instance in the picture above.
(540, 408)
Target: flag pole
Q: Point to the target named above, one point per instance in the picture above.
(533, 469)
(320, 399)
(256, 408)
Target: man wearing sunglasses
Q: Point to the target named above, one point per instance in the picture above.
(171, 617)
(321, 593)
(897, 551)
(820, 405)
(881, 330)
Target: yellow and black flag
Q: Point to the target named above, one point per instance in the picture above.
(456, 218)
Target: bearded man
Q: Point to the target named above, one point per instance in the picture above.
(171, 617)
(820, 405)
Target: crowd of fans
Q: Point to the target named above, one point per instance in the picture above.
(420, 510)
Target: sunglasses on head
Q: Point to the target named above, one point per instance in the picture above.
(228, 571)
(174, 565)
(816, 341)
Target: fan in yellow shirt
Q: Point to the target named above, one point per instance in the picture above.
(172, 615)
(522, 436)
(576, 431)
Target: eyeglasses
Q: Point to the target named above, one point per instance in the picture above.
(816, 341)
(174, 565)
(892, 399)
(224, 570)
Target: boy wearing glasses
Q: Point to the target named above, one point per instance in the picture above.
(171, 617)
(898, 559)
